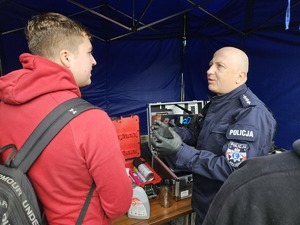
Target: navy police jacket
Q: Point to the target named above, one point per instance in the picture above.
(264, 190)
(237, 126)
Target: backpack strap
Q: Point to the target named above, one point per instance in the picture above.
(12, 153)
(47, 130)
(86, 204)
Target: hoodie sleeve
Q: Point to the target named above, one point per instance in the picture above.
(106, 164)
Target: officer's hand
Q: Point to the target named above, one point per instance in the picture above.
(166, 145)
(162, 128)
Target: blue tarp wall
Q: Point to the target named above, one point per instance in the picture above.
(144, 68)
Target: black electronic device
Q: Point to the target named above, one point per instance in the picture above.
(182, 114)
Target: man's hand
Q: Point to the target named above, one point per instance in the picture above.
(167, 145)
(162, 128)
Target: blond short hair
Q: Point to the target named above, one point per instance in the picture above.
(47, 34)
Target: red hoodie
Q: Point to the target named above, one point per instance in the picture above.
(86, 149)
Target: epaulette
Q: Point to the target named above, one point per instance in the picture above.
(246, 100)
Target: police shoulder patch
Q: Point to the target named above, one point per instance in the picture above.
(236, 153)
(242, 132)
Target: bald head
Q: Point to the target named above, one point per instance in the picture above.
(228, 70)
(237, 57)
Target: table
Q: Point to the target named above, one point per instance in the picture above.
(160, 215)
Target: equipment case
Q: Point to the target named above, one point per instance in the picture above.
(183, 114)
(128, 132)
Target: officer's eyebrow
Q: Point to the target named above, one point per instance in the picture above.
(217, 63)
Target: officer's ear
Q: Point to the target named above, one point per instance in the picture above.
(241, 78)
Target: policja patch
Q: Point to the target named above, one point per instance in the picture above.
(236, 153)
(242, 132)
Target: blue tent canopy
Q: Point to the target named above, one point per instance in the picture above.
(147, 49)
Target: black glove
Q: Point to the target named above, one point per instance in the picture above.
(166, 145)
(162, 128)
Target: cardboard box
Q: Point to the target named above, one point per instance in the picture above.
(182, 114)
(128, 131)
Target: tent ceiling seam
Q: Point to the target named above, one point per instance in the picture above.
(99, 14)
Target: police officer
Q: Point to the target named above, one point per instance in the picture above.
(236, 126)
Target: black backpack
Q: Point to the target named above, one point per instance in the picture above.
(19, 204)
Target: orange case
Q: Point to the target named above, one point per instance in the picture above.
(128, 130)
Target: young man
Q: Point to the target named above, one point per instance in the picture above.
(263, 191)
(87, 148)
(235, 126)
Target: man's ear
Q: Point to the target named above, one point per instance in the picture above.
(65, 58)
(242, 77)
